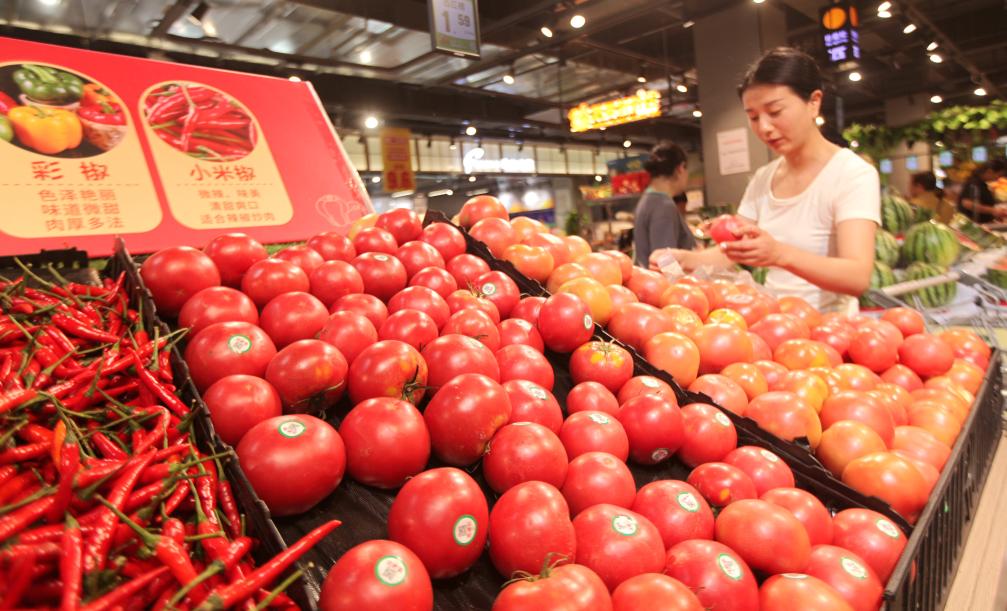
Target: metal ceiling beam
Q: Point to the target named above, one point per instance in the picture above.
(171, 15)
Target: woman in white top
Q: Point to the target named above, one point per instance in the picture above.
(810, 215)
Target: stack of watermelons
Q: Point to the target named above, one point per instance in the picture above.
(997, 273)
(896, 213)
(928, 248)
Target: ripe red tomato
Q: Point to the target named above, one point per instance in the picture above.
(591, 396)
(966, 344)
(500, 290)
(308, 374)
(848, 574)
(530, 402)
(496, 233)
(648, 285)
(772, 371)
(466, 269)
(523, 452)
(383, 274)
(367, 305)
(846, 441)
(386, 440)
(217, 304)
(175, 274)
(720, 345)
(873, 350)
(677, 510)
(451, 355)
(722, 391)
(922, 445)
(767, 537)
(808, 510)
(584, 432)
(377, 574)
(799, 591)
(350, 332)
(617, 543)
(765, 469)
(859, 406)
(891, 478)
(404, 224)
(232, 254)
(442, 516)
(268, 278)
(871, 536)
(517, 331)
(644, 385)
(927, 355)
(388, 369)
(529, 526)
(575, 587)
(554, 244)
(750, 378)
(410, 326)
(598, 477)
(518, 362)
(718, 576)
(675, 354)
(709, 435)
(290, 317)
(463, 415)
(228, 348)
(689, 296)
(775, 329)
(654, 591)
(480, 207)
(476, 324)
(787, 416)
(374, 239)
(302, 256)
(239, 402)
(421, 299)
(334, 279)
(908, 320)
(726, 228)
(528, 309)
(722, 484)
(602, 362)
(635, 323)
(332, 246)
(416, 256)
(292, 462)
(836, 335)
(445, 238)
(564, 322)
(654, 427)
(464, 299)
(437, 279)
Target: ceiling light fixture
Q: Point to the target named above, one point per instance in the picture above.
(697, 113)
(642, 78)
(909, 29)
(688, 24)
(294, 78)
(472, 178)
(546, 31)
(627, 143)
(597, 178)
(452, 146)
(440, 192)
(508, 77)
(884, 6)
(50, 2)
(371, 122)
(577, 21)
(932, 46)
(936, 58)
(682, 88)
(980, 91)
(855, 76)
(375, 179)
(471, 130)
(398, 194)
(884, 14)
(758, 1)
(936, 99)
(366, 57)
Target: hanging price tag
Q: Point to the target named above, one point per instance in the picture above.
(454, 27)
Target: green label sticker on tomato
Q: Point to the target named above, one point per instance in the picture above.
(464, 530)
(624, 525)
(390, 570)
(239, 344)
(291, 428)
(729, 566)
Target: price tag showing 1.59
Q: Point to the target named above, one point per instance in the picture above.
(454, 27)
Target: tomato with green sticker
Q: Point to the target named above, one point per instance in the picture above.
(377, 574)
(606, 363)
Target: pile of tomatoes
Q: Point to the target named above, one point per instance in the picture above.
(443, 362)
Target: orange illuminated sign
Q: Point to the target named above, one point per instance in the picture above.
(645, 104)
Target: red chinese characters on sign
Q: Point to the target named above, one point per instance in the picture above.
(396, 159)
(80, 209)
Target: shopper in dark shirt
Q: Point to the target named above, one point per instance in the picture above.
(976, 200)
(658, 222)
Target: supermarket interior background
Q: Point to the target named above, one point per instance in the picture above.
(420, 170)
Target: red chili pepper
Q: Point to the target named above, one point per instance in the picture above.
(157, 388)
(35, 433)
(123, 592)
(222, 598)
(230, 508)
(71, 566)
(14, 486)
(19, 519)
(23, 453)
(44, 551)
(176, 498)
(156, 434)
(97, 469)
(69, 465)
(6, 473)
(107, 447)
(105, 113)
(96, 549)
(164, 366)
(20, 577)
(16, 398)
(77, 328)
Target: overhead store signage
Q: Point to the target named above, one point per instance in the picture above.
(839, 32)
(454, 26)
(397, 159)
(475, 162)
(161, 153)
(645, 104)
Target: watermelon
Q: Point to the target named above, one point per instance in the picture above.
(886, 248)
(934, 296)
(881, 276)
(930, 243)
(997, 273)
(922, 214)
(896, 213)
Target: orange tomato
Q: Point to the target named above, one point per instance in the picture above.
(563, 274)
(480, 207)
(943, 396)
(720, 345)
(635, 323)
(760, 349)
(675, 354)
(846, 441)
(728, 317)
(856, 405)
(648, 285)
(778, 328)
(749, 377)
(688, 295)
(717, 292)
(554, 244)
(892, 479)
(801, 309)
(922, 444)
(772, 371)
(620, 295)
(968, 345)
(577, 246)
(946, 383)
(929, 473)
(857, 377)
(603, 268)
(968, 375)
(786, 415)
(937, 419)
(807, 386)
(532, 261)
(525, 227)
(908, 320)
(683, 320)
(893, 402)
(592, 293)
(723, 391)
(750, 305)
(625, 263)
(903, 376)
(801, 354)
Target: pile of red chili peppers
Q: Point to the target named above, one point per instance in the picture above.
(105, 500)
(200, 121)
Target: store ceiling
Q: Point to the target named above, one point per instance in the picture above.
(374, 55)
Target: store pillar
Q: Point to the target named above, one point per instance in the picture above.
(726, 43)
(899, 112)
